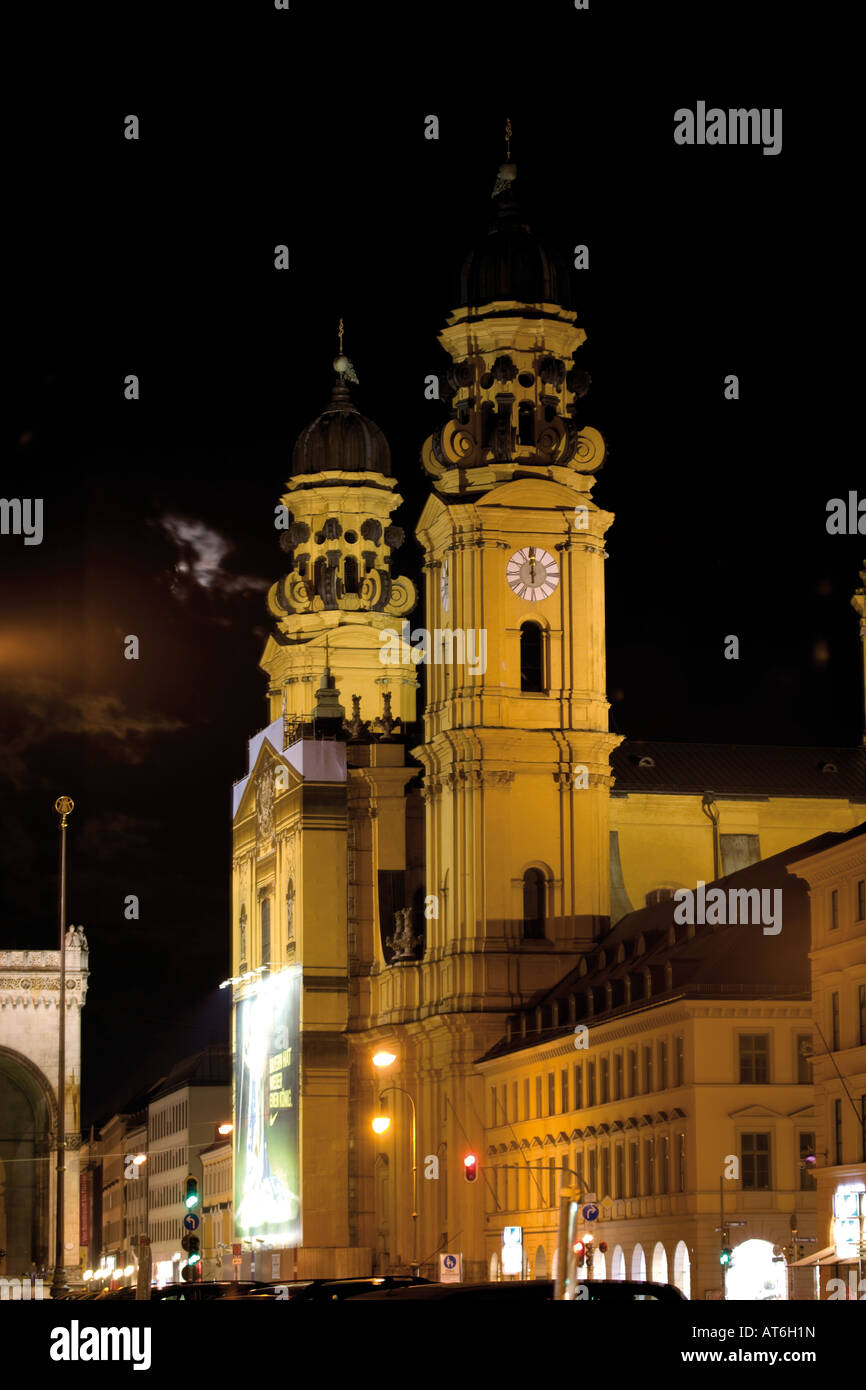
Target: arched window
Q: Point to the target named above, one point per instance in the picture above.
(266, 934)
(532, 658)
(243, 941)
(350, 575)
(526, 423)
(533, 905)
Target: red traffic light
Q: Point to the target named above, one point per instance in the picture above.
(579, 1251)
(470, 1167)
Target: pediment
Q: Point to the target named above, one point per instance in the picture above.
(753, 1112)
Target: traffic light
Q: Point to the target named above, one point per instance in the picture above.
(192, 1247)
(726, 1255)
(579, 1252)
(470, 1167)
(191, 1197)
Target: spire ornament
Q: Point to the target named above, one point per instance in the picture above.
(342, 366)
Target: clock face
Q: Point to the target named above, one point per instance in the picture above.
(532, 573)
(443, 585)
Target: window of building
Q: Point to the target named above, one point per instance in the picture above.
(526, 1114)
(634, 1169)
(551, 1093)
(619, 1171)
(538, 1097)
(755, 1162)
(649, 1164)
(808, 1179)
(243, 939)
(513, 1101)
(551, 1182)
(738, 852)
(503, 1105)
(861, 1013)
(837, 1132)
(861, 900)
(663, 1067)
(665, 1164)
(266, 934)
(350, 574)
(804, 1059)
(681, 1162)
(532, 658)
(563, 1099)
(834, 909)
(533, 905)
(494, 1118)
(604, 1080)
(605, 1171)
(632, 1071)
(834, 1020)
(679, 1061)
(617, 1076)
(647, 1070)
(590, 1083)
(591, 1169)
(754, 1058)
(577, 1077)
(578, 1167)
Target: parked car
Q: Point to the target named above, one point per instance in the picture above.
(537, 1290)
(336, 1290)
(202, 1292)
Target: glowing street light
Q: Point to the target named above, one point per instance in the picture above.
(225, 1128)
(139, 1159)
(381, 1123)
(384, 1059)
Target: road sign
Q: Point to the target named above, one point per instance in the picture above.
(450, 1269)
(590, 1212)
(190, 1221)
(236, 1248)
(236, 1259)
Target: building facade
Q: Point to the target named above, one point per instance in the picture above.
(837, 889)
(407, 887)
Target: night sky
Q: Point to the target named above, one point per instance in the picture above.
(156, 257)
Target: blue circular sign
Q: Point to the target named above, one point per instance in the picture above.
(190, 1221)
(450, 1262)
(590, 1213)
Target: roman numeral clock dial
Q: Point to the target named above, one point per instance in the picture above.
(532, 573)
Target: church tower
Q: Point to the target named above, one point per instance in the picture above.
(320, 781)
(516, 748)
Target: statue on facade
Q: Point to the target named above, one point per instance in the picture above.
(404, 941)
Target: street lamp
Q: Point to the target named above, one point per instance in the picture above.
(64, 805)
(380, 1124)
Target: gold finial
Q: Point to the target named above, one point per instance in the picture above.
(64, 805)
(508, 137)
(340, 334)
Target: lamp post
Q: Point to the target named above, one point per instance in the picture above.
(64, 805)
(380, 1125)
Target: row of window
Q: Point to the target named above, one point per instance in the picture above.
(654, 1166)
(217, 1177)
(634, 1071)
(838, 1151)
(165, 1196)
(859, 905)
(165, 1159)
(169, 1120)
(265, 929)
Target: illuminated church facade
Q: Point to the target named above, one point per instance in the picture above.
(420, 882)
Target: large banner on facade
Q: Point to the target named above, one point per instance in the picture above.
(267, 1198)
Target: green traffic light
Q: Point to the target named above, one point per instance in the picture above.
(725, 1257)
(192, 1199)
(193, 1259)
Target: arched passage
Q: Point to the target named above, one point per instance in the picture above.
(660, 1264)
(683, 1269)
(617, 1264)
(28, 1109)
(540, 1271)
(638, 1263)
(753, 1273)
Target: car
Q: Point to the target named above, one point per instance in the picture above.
(202, 1291)
(537, 1291)
(336, 1290)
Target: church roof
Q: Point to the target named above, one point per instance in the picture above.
(739, 769)
(733, 961)
(341, 439)
(510, 261)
